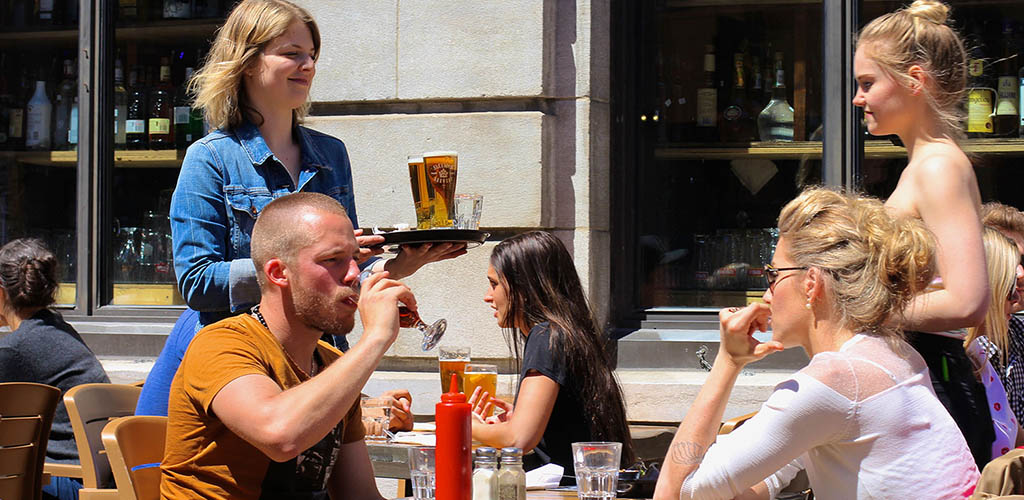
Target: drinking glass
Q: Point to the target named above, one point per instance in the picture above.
(442, 168)
(407, 318)
(483, 376)
(597, 469)
(468, 208)
(421, 469)
(376, 419)
(452, 359)
(422, 192)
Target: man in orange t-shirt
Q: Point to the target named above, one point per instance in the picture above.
(259, 408)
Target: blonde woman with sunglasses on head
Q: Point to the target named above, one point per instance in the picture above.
(861, 418)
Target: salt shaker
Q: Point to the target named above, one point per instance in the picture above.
(485, 474)
(511, 476)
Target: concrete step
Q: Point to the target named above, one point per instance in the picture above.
(683, 349)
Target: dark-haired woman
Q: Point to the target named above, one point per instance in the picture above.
(567, 392)
(41, 347)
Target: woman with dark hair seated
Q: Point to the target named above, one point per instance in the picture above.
(567, 392)
(41, 347)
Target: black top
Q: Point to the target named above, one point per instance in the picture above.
(46, 350)
(567, 424)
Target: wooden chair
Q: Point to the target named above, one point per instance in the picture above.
(26, 412)
(90, 407)
(135, 446)
(731, 424)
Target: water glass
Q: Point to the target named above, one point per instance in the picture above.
(597, 469)
(421, 470)
(468, 208)
(376, 419)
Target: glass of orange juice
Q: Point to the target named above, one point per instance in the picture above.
(483, 376)
(452, 359)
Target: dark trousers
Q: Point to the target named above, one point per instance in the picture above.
(955, 383)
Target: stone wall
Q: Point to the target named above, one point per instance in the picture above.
(520, 88)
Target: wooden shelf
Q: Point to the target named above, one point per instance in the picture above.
(159, 31)
(812, 150)
(167, 158)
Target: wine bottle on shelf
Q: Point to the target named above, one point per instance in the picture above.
(5, 104)
(66, 91)
(756, 85)
(120, 106)
(182, 114)
(177, 9)
(16, 115)
(980, 100)
(128, 10)
(707, 100)
(161, 110)
(1007, 115)
(1020, 100)
(44, 12)
(737, 123)
(20, 10)
(73, 124)
(683, 113)
(775, 123)
(37, 119)
(70, 14)
(135, 122)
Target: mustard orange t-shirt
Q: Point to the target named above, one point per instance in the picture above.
(202, 457)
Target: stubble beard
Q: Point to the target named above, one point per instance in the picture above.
(321, 313)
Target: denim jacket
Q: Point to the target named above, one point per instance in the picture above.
(226, 179)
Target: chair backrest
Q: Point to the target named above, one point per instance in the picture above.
(90, 407)
(135, 446)
(26, 412)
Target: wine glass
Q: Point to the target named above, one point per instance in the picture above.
(407, 318)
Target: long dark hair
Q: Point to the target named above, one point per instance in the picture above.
(541, 283)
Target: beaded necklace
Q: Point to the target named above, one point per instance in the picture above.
(259, 317)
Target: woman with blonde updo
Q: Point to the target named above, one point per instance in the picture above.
(861, 418)
(911, 70)
(987, 344)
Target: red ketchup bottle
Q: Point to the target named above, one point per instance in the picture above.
(452, 459)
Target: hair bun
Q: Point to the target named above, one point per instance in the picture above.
(929, 10)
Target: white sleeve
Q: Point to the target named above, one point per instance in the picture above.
(782, 477)
(802, 413)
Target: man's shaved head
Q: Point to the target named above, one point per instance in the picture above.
(280, 230)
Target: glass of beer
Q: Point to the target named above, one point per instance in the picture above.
(442, 168)
(483, 376)
(452, 359)
(422, 192)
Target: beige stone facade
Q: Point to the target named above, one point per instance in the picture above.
(519, 88)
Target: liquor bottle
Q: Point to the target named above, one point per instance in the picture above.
(980, 100)
(37, 119)
(183, 114)
(73, 124)
(135, 122)
(707, 100)
(206, 8)
(683, 113)
(16, 114)
(177, 9)
(737, 123)
(120, 106)
(663, 102)
(62, 106)
(775, 123)
(1007, 115)
(5, 104)
(1020, 99)
(161, 110)
(757, 91)
(44, 12)
(70, 13)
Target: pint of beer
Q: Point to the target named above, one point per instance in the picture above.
(441, 170)
(422, 192)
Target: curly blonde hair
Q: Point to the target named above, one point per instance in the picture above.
(873, 263)
(919, 35)
(1001, 258)
(218, 86)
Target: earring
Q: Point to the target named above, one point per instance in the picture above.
(808, 304)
